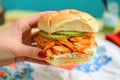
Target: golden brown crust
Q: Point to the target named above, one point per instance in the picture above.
(68, 20)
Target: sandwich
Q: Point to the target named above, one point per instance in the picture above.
(67, 37)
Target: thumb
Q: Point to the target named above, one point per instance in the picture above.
(33, 52)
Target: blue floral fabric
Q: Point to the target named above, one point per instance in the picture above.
(100, 59)
(21, 72)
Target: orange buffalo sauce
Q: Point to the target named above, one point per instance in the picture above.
(79, 45)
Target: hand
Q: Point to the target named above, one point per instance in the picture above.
(15, 42)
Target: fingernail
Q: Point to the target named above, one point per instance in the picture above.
(42, 54)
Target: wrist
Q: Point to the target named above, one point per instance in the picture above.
(5, 55)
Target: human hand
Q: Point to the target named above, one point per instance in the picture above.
(15, 42)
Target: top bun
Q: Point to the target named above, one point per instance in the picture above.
(68, 20)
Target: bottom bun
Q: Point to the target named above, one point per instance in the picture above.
(72, 61)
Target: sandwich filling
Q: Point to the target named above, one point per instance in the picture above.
(66, 44)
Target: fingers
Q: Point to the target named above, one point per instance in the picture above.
(7, 62)
(31, 60)
(32, 52)
(35, 61)
(32, 21)
(17, 59)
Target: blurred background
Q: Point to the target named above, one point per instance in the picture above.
(95, 7)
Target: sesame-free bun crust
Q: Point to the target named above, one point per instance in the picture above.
(68, 20)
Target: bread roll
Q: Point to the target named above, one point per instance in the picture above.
(68, 20)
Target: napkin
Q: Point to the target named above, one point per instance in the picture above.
(115, 38)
